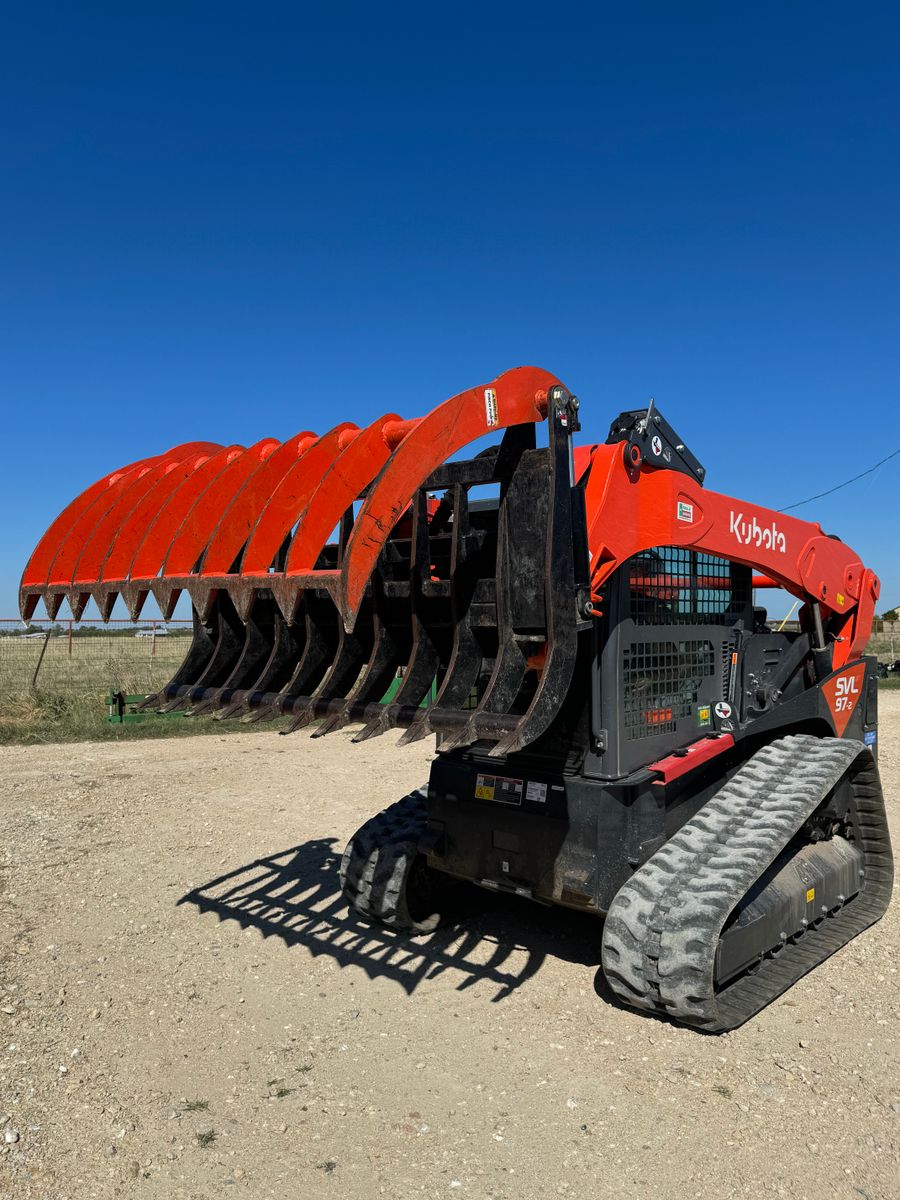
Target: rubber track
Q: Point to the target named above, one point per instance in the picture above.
(378, 859)
(663, 927)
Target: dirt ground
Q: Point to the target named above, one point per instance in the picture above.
(188, 1010)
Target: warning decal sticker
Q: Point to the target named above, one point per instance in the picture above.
(842, 695)
(490, 407)
(499, 789)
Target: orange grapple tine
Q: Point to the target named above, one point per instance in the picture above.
(112, 526)
(198, 524)
(135, 575)
(38, 566)
(241, 514)
(351, 473)
(67, 529)
(61, 572)
(281, 510)
(117, 562)
(514, 398)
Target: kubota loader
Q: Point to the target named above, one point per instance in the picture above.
(619, 729)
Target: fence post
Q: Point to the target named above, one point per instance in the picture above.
(70, 639)
(40, 659)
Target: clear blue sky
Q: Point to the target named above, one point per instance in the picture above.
(231, 221)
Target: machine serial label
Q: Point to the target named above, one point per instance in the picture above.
(490, 407)
(536, 792)
(498, 788)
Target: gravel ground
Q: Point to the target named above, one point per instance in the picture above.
(188, 1010)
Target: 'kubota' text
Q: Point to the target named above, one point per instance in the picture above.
(751, 533)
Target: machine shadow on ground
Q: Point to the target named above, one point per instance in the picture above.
(295, 895)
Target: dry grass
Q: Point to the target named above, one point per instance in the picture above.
(46, 718)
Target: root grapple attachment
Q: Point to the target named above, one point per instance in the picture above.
(323, 568)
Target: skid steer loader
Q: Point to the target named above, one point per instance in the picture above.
(619, 730)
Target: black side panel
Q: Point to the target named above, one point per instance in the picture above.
(676, 618)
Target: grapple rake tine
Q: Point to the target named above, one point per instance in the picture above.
(97, 525)
(567, 580)
(352, 654)
(112, 577)
(287, 649)
(389, 653)
(37, 569)
(445, 713)
(321, 640)
(424, 659)
(517, 397)
(259, 638)
(227, 646)
(113, 527)
(58, 574)
(190, 539)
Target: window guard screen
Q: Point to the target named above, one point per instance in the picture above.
(673, 585)
(661, 684)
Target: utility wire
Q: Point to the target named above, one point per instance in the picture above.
(838, 486)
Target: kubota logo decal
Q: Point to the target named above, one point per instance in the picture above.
(751, 533)
(842, 694)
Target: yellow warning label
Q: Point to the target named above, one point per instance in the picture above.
(840, 598)
(483, 792)
(810, 895)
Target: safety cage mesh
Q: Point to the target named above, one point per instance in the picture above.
(661, 684)
(673, 585)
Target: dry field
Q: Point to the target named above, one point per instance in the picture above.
(188, 1010)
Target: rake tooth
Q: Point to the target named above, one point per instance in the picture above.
(105, 599)
(419, 729)
(53, 603)
(28, 602)
(77, 603)
(331, 724)
(301, 719)
(134, 598)
(375, 728)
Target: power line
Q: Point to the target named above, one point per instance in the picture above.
(838, 486)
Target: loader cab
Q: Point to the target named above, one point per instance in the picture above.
(665, 665)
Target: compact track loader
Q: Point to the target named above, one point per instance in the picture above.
(619, 730)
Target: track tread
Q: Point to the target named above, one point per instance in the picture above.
(377, 862)
(663, 926)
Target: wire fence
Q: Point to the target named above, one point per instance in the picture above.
(85, 658)
(139, 657)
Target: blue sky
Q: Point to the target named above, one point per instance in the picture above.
(225, 222)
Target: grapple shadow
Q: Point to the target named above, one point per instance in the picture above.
(295, 895)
